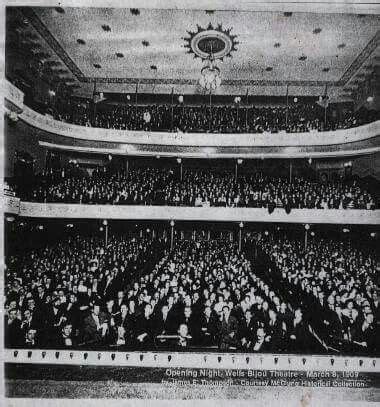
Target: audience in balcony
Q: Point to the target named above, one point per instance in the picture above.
(152, 186)
(138, 294)
(295, 118)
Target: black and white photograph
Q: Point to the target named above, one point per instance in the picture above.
(191, 203)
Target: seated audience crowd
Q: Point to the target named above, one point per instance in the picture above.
(203, 293)
(298, 117)
(50, 291)
(138, 294)
(152, 186)
(335, 284)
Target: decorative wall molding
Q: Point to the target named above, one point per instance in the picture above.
(361, 58)
(53, 43)
(195, 82)
(13, 94)
(216, 214)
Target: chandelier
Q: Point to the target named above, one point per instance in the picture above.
(210, 75)
(210, 44)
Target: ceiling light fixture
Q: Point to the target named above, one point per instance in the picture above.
(210, 75)
(211, 43)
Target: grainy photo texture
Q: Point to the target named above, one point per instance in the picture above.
(191, 204)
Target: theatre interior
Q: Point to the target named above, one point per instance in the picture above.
(190, 188)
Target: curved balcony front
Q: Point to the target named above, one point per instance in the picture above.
(355, 141)
(184, 213)
(59, 135)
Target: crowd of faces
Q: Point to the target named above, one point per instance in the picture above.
(193, 187)
(295, 118)
(336, 283)
(139, 293)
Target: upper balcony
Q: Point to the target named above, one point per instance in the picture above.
(60, 135)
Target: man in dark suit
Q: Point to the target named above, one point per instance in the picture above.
(189, 320)
(197, 305)
(126, 320)
(339, 324)
(275, 332)
(31, 339)
(21, 300)
(163, 325)
(108, 285)
(247, 329)
(95, 327)
(28, 323)
(72, 312)
(144, 328)
(65, 338)
(284, 315)
(365, 335)
(37, 313)
(40, 296)
(184, 338)
(12, 328)
(261, 342)
(375, 305)
(298, 334)
(328, 316)
(228, 329)
(119, 301)
(173, 313)
(208, 327)
(54, 318)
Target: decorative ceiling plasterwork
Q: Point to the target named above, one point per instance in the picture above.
(226, 43)
(228, 82)
(218, 42)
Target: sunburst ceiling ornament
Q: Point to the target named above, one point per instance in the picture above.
(211, 40)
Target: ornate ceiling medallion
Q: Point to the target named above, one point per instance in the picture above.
(214, 41)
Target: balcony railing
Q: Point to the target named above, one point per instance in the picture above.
(216, 214)
(358, 140)
(281, 139)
